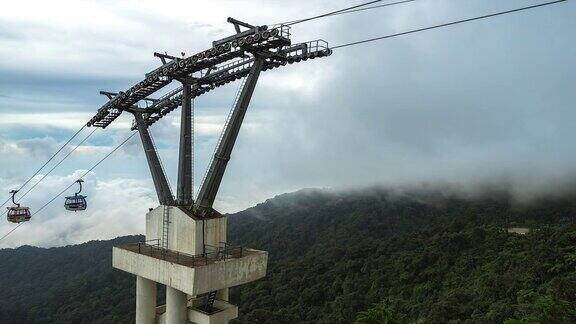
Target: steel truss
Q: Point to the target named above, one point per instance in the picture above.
(244, 54)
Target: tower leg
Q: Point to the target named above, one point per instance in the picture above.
(145, 301)
(209, 188)
(176, 303)
(160, 181)
(185, 160)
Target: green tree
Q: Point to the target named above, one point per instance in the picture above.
(381, 313)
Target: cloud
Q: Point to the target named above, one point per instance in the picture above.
(116, 207)
(465, 105)
(59, 120)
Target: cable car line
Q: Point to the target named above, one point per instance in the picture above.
(345, 11)
(58, 164)
(372, 7)
(85, 173)
(10, 232)
(448, 24)
(44, 165)
(73, 183)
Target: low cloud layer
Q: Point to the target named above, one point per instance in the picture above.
(116, 207)
(487, 102)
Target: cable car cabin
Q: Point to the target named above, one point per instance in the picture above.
(17, 214)
(75, 203)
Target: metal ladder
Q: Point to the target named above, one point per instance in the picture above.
(210, 299)
(165, 226)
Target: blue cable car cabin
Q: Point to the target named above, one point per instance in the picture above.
(76, 202)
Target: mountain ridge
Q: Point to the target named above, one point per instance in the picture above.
(334, 254)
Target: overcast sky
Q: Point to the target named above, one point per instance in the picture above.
(489, 101)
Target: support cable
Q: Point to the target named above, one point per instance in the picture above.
(448, 24)
(72, 184)
(46, 163)
(346, 11)
(58, 164)
(10, 232)
(372, 7)
(85, 173)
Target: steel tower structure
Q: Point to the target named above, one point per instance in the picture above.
(185, 246)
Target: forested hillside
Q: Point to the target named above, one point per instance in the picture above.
(337, 257)
(423, 256)
(72, 284)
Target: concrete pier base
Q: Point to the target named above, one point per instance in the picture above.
(145, 301)
(190, 256)
(225, 313)
(176, 306)
(223, 294)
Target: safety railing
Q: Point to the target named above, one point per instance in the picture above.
(234, 66)
(213, 254)
(228, 72)
(303, 49)
(284, 30)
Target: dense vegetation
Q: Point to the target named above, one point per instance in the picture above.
(369, 256)
(420, 257)
(72, 284)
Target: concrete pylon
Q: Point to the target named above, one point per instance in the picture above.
(176, 303)
(145, 301)
(188, 273)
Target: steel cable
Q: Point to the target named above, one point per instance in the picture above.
(58, 164)
(44, 165)
(448, 24)
(345, 11)
(10, 232)
(85, 173)
(72, 184)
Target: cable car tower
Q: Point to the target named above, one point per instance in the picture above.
(186, 247)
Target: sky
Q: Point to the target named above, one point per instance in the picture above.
(490, 101)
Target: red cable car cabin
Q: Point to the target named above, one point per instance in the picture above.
(17, 214)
